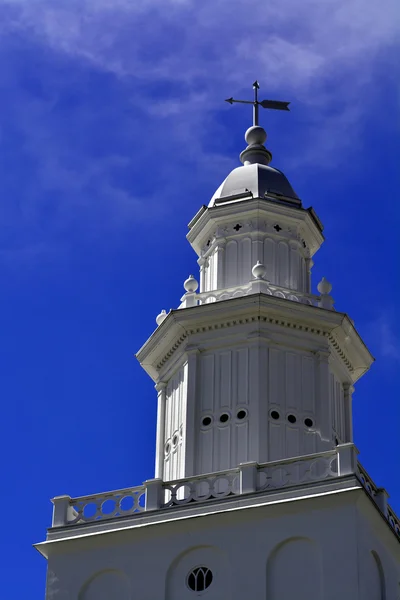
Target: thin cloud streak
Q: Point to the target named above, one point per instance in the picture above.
(383, 335)
(323, 55)
(328, 37)
(315, 52)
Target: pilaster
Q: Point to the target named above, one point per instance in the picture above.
(348, 390)
(258, 391)
(307, 283)
(189, 421)
(201, 262)
(161, 399)
(220, 263)
(323, 404)
(295, 279)
(258, 247)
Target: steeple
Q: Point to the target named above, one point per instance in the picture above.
(258, 369)
(256, 472)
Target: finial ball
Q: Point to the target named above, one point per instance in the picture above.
(255, 135)
(191, 284)
(324, 287)
(259, 270)
(161, 317)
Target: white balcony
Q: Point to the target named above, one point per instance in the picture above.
(155, 495)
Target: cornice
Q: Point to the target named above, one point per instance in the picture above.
(208, 221)
(256, 308)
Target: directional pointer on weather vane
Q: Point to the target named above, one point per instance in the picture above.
(275, 104)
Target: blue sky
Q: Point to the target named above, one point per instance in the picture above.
(113, 133)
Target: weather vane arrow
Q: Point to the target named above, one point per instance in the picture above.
(274, 104)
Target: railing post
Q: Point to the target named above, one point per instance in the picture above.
(381, 498)
(61, 508)
(248, 477)
(259, 286)
(188, 300)
(154, 490)
(347, 458)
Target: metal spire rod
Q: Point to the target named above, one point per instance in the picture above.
(274, 104)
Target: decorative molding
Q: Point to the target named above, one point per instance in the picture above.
(241, 321)
(340, 353)
(251, 214)
(172, 350)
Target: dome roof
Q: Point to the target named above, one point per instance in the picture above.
(259, 179)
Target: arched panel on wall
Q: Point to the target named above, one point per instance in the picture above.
(207, 557)
(373, 578)
(295, 279)
(294, 571)
(245, 265)
(269, 259)
(282, 266)
(231, 264)
(106, 585)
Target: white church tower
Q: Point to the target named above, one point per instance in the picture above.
(258, 492)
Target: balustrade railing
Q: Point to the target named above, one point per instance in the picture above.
(109, 505)
(252, 477)
(303, 469)
(379, 496)
(201, 488)
(394, 521)
(250, 288)
(253, 287)
(366, 481)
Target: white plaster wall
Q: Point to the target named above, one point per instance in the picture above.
(307, 549)
(284, 260)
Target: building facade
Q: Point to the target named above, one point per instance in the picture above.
(258, 491)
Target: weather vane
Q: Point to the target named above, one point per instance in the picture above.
(275, 104)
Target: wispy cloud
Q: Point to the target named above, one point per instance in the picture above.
(384, 335)
(317, 52)
(291, 42)
(170, 63)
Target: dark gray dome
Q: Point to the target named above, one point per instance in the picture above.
(256, 178)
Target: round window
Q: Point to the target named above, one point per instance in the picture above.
(224, 418)
(206, 421)
(199, 579)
